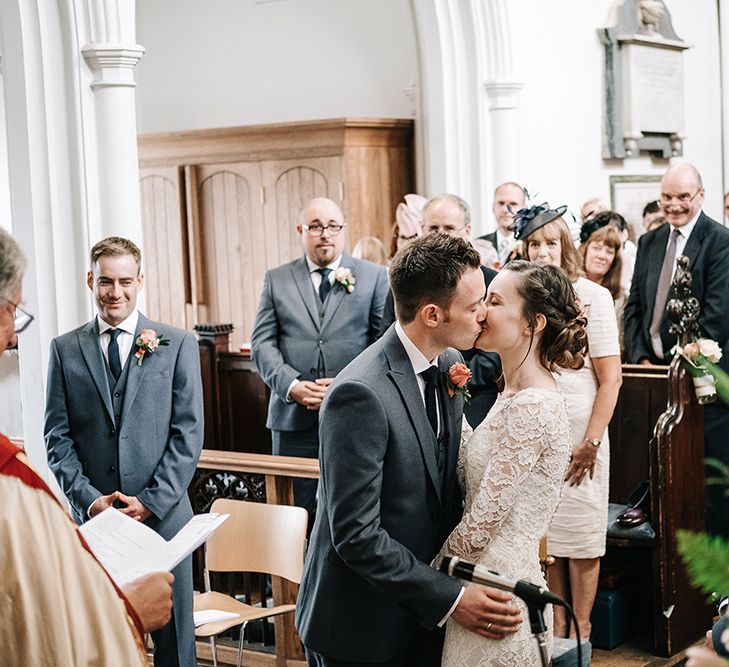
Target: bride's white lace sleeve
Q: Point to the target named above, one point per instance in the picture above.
(531, 425)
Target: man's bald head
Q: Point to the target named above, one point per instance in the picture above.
(682, 194)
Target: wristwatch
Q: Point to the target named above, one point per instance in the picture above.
(594, 441)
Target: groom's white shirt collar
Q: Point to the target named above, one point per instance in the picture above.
(417, 358)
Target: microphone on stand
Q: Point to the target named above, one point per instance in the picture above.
(478, 574)
(536, 597)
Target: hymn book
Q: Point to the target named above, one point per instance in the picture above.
(128, 549)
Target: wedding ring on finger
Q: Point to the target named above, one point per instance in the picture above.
(488, 626)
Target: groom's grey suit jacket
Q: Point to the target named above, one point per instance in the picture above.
(150, 451)
(296, 336)
(383, 512)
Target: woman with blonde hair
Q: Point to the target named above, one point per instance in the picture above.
(577, 535)
(371, 249)
(601, 250)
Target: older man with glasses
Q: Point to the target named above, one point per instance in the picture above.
(315, 315)
(705, 242)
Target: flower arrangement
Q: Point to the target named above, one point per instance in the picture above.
(147, 342)
(701, 357)
(345, 278)
(458, 376)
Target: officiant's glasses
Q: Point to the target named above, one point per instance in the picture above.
(317, 229)
(22, 318)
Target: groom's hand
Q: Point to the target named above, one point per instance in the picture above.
(487, 612)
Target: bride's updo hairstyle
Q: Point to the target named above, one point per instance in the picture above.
(547, 290)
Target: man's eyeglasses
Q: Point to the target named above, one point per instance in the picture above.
(684, 198)
(22, 318)
(317, 230)
(444, 229)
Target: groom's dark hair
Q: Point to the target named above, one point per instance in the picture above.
(428, 271)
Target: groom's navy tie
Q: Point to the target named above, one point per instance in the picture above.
(431, 391)
(325, 286)
(114, 359)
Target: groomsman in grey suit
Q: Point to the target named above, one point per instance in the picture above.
(124, 421)
(315, 315)
(390, 433)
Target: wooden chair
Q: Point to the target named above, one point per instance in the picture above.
(257, 537)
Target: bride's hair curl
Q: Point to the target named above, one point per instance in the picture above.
(547, 290)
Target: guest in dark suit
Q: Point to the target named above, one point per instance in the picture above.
(315, 315)
(692, 233)
(388, 498)
(509, 197)
(127, 430)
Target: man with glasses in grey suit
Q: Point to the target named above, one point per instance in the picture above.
(315, 315)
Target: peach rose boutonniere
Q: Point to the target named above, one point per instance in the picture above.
(345, 278)
(147, 342)
(458, 376)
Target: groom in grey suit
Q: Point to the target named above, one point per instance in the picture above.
(315, 315)
(388, 497)
(125, 430)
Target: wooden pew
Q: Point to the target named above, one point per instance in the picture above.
(657, 434)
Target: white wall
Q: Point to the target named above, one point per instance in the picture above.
(560, 61)
(217, 63)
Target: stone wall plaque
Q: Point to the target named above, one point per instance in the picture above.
(644, 81)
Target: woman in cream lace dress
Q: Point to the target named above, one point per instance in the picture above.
(511, 468)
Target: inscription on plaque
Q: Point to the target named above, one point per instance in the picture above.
(655, 76)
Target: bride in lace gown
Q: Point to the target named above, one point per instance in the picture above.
(511, 468)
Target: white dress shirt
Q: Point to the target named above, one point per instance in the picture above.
(420, 364)
(504, 245)
(316, 276)
(124, 340)
(682, 239)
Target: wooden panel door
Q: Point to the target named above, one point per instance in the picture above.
(289, 184)
(230, 240)
(165, 251)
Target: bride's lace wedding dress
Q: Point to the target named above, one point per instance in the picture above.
(511, 470)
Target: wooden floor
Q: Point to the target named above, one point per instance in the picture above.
(630, 655)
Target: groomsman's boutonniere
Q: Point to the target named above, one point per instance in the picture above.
(148, 341)
(458, 377)
(345, 278)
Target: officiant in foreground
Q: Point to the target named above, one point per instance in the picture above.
(124, 421)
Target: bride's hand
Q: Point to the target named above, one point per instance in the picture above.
(487, 612)
(582, 463)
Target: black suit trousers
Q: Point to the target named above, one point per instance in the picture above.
(425, 650)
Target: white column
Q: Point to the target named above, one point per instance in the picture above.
(504, 126)
(71, 156)
(469, 129)
(111, 55)
(724, 43)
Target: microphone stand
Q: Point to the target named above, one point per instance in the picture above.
(535, 597)
(539, 629)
